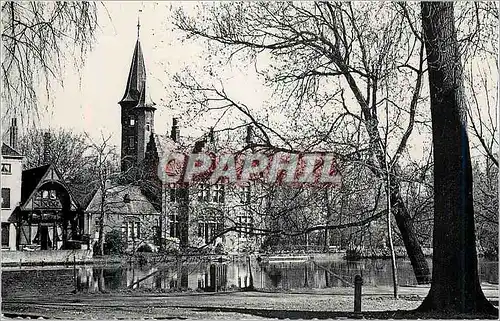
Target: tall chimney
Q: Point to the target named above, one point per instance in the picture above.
(175, 133)
(13, 133)
(211, 135)
(46, 145)
(249, 137)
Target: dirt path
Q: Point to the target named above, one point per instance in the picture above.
(326, 303)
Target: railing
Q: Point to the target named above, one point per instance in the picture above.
(284, 249)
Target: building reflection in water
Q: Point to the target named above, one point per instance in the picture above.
(207, 277)
(235, 274)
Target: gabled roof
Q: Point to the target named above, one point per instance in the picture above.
(136, 76)
(30, 179)
(115, 204)
(34, 178)
(7, 150)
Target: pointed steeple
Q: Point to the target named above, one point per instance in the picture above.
(145, 100)
(136, 75)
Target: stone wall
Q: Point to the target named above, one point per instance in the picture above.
(45, 257)
(118, 222)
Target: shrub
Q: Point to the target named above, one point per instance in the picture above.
(219, 249)
(145, 248)
(114, 243)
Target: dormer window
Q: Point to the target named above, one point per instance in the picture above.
(126, 198)
(147, 127)
(132, 122)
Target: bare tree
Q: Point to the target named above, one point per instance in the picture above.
(340, 62)
(36, 38)
(68, 151)
(482, 112)
(104, 158)
(486, 207)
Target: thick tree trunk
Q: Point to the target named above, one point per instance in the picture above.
(455, 282)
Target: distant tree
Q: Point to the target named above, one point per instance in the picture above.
(105, 169)
(455, 283)
(37, 37)
(69, 151)
(486, 207)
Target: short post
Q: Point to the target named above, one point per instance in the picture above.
(358, 282)
(250, 285)
(74, 273)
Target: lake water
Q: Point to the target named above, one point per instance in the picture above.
(211, 276)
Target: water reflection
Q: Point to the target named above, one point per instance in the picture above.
(215, 276)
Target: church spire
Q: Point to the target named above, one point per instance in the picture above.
(145, 100)
(137, 73)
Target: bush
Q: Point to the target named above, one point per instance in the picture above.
(145, 248)
(114, 243)
(270, 243)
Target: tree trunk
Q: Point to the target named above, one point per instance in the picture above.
(403, 220)
(455, 282)
(326, 244)
(410, 240)
(100, 239)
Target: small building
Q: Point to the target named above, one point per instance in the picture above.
(124, 209)
(38, 210)
(48, 216)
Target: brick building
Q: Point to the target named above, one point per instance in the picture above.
(166, 215)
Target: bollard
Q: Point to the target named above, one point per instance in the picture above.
(74, 274)
(358, 282)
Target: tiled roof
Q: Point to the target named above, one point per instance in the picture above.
(136, 77)
(114, 201)
(145, 100)
(30, 179)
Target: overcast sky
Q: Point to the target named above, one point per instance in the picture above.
(88, 102)
(92, 104)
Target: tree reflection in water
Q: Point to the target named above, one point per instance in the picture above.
(235, 274)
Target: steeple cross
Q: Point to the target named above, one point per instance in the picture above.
(138, 23)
